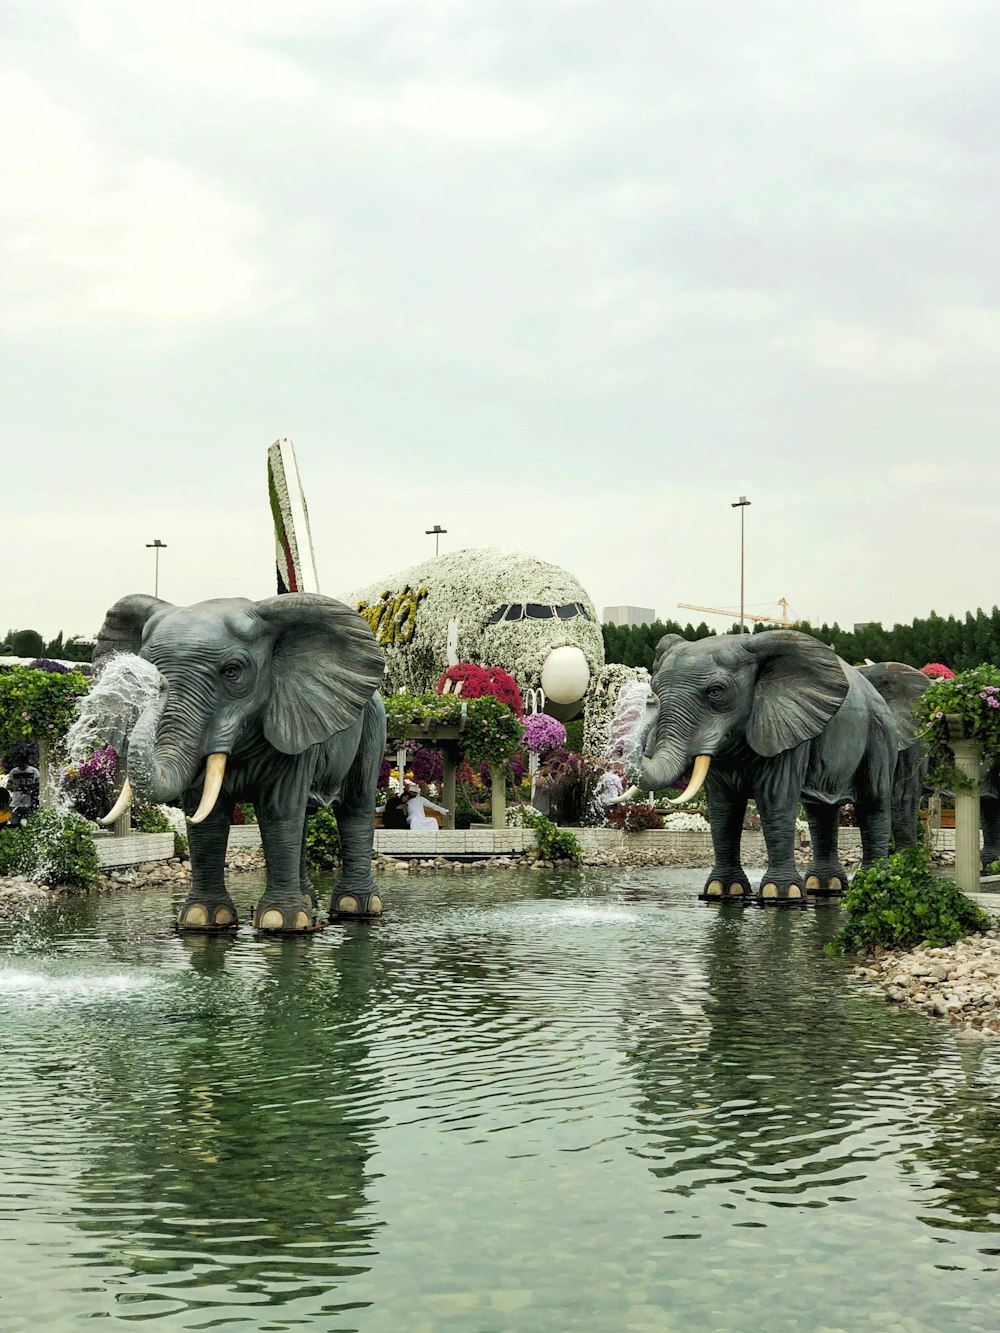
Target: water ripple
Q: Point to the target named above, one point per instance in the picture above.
(514, 1102)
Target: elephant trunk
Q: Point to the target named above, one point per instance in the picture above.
(654, 764)
(164, 752)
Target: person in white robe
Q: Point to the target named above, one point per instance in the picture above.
(417, 818)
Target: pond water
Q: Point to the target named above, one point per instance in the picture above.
(518, 1102)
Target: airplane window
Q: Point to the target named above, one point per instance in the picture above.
(514, 612)
(498, 614)
(568, 611)
(535, 611)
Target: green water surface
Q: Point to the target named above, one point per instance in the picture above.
(518, 1102)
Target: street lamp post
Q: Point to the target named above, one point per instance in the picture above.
(741, 504)
(157, 546)
(436, 532)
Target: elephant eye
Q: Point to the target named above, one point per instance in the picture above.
(232, 670)
(716, 691)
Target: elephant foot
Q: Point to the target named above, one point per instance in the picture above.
(210, 915)
(279, 917)
(725, 884)
(309, 893)
(356, 903)
(781, 888)
(826, 881)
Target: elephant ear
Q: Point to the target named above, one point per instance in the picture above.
(124, 624)
(800, 685)
(900, 686)
(325, 666)
(665, 645)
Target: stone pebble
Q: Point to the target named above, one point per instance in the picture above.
(960, 982)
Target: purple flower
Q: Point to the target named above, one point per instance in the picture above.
(542, 733)
(939, 715)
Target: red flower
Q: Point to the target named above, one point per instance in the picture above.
(938, 671)
(478, 681)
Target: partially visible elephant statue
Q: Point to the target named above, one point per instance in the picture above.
(273, 702)
(901, 686)
(989, 814)
(780, 718)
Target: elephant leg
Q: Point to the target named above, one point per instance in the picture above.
(305, 883)
(357, 893)
(727, 805)
(826, 875)
(907, 788)
(989, 815)
(283, 908)
(208, 905)
(777, 790)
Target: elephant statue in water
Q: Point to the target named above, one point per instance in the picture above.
(989, 814)
(780, 718)
(273, 702)
(901, 686)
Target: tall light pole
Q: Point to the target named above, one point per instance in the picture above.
(436, 532)
(741, 504)
(157, 546)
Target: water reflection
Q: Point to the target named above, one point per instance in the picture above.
(513, 1096)
(232, 1124)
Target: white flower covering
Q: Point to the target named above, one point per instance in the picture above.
(684, 821)
(469, 586)
(601, 702)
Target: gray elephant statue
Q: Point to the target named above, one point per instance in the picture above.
(989, 814)
(777, 717)
(901, 686)
(273, 702)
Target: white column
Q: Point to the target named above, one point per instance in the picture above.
(968, 761)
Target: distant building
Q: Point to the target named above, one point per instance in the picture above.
(629, 615)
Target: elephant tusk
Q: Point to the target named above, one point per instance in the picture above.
(629, 795)
(120, 806)
(698, 775)
(215, 771)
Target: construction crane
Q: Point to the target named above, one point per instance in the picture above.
(783, 619)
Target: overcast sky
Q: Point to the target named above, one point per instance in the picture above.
(559, 275)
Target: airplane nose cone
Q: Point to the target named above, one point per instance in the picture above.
(565, 675)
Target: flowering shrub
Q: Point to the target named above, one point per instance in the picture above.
(635, 818)
(972, 695)
(89, 787)
(47, 664)
(938, 671)
(570, 781)
(38, 705)
(543, 733)
(52, 847)
(492, 733)
(426, 764)
(478, 681)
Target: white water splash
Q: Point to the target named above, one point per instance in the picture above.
(630, 706)
(108, 713)
(39, 987)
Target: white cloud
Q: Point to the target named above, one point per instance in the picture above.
(451, 111)
(208, 45)
(95, 237)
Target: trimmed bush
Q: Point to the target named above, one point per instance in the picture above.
(322, 842)
(899, 903)
(52, 847)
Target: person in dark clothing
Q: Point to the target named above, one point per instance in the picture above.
(394, 812)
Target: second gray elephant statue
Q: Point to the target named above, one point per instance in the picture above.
(778, 718)
(273, 702)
